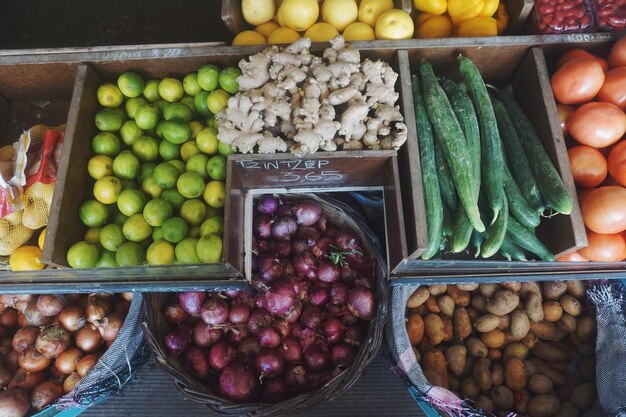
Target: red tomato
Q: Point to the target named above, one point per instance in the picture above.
(603, 248)
(604, 210)
(564, 112)
(577, 81)
(572, 257)
(617, 56)
(597, 124)
(614, 88)
(588, 166)
(617, 163)
(580, 53)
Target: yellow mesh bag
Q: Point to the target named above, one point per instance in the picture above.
(13, 233)
(37, 200)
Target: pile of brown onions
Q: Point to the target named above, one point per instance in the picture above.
(49, 342)
(300, 325)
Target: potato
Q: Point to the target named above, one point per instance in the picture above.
(488, 290)
(531, 368)
(418, 297)
(534, 309)
(567, 323)
(584, 348)
(544, 405)
(434, 329)
(484, 403)
(522, 398)
(555, 376)
(529, 340)
(514, 350)
(494, 355)
(446, 305)
(540, 384)
(545, 330)
(564, 392)
(437, 289)
(415, 328)
(502, 397)
(435, 360)
(455, 355)
(553, 290)
(479, 303)
(482, 375)
(560, 366)
(421, 310)
(511, 286)
(469, 366)
(462, 324)
(453, 382)
(432, 377)
(467, 287)
(487, 323)
(552, 311)
(515, 374)
(571, 305)
(493, 339)
(461, 298)
(519, 324)
(586, 329)
(550, 352)
(469, 388)
(448, 328)
(432, 305)
(528, 288)
(425, 345)
(497, 374)
(473, 314)
(505, 322)
(476, 348)
(576, 288)
(587, 368)
(567, 410)
(583, 396)
(502, 303)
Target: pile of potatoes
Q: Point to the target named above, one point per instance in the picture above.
(517, 347)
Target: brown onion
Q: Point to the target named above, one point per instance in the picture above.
(26, 381)
(97, 309)
(86, 364)
(50, 304)
(11, 360)
(8, 318)
(88, 339)
(45, 394)
(32, 360)
(122, 307)
(5, 376)
(110, 327)
(52, 340)
(70, 382)
(72, 318)
(71, 299)
(174, 313)
(67, 361)
(127, 296)
(25, 337)
(21, 319)
(14, 403)
(33, 317)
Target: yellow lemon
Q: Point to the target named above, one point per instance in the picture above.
(340, 13)
(321, 32)
(26, 258)
(256, 12)
(283, 35)
(266, 28)
(107, 189)
(100, 166)
(370, 10)
(434, 27)
(160, 252)
(215, 194)
(280, 16)
(42, 238)
(299, 15)
(394, 24)
(109, 95)
(359, 31)
(249, 37)
(171, 89)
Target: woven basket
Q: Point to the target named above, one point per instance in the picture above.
(156, 327)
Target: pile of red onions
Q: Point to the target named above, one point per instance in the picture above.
(301, 324)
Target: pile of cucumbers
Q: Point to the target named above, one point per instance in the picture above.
(487, 177)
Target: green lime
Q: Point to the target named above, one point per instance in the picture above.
(106, 143)
(171, 89)
(161, 105)
(147, 116)
(185, 251)
(100, 166)
(198, 163)
(217, 101)
(195, 126)
(131, 84)
(130, 254)
(209, 249)
(111, 237)
(131, 202)
(169, 150)
(126, 165)
(130, 132)
(136, 228)
(179, 165)
(212, 225)
(210, 122)
(92, 235)
(188, 149)
(107, 260)
(176, 131)
(224, 149)
(151, 91)
(190, 84)
(129, 185)
(212, 212)
(151, 187)
(160, 252)
(146, 148)
(228, 79)
(207, 141)
(82, 255)
(193, 211)
(174, 229)
(200, 103)
(189, 102)
(166, 175)
(133, 104)
(146, 170)
(120, 219)
(157, 211)
(173, 197)
(177, 111)
(109, 95)
(190, 184)
(157, 233)
(93, 213)
(208, 77)
(216, 167)
(194, 231)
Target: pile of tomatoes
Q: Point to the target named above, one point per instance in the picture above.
(591, 95)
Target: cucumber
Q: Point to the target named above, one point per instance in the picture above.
(496, 231)
(491, 147)
(520, 167)
(448, 223)
(526, 239)
(551, 186)
(511, 251)
(461, 232)
(453, 142)
(446, 185)
(477, 241)
(518, 206)
(432, 196)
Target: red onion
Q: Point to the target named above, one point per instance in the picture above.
(303, 263)
(308, 234)
(269, 363)
(347, 274)
(361, 263)
(293, 315)
(285, 209)
(322, 246)
(204, 335)
(291, 350)
(262, 227)
(346, 241)
(312, 274)
(328, 272)
(269, 268)
(284, 228)
(221, 355)
(321, 223)
(301, 288)
(248, 349)
(349, 319)
(269, 338)
(239, 313)
(214, 311)
(318, 379)
(267, 204)
(338, 293)
(299, 246)
(297, 378)
(261, 246)
(238, 383)
(259, 319)
(307, 212)
(336, 311)
(341, 355)
(274, 390)
(191, 302)
(316, 356)
(354, 335)
(364, 281)
(195, 362)
(281, 249)
(312, 317)
(246, 298)
(175, 314)
(361, 303)
(286, 268)
(331, 231)
(232, 294)
(306, 337)
(258, 284)
(282, 328)
(177, 340)
(280, 297)
(334, 330)
(237, 334)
